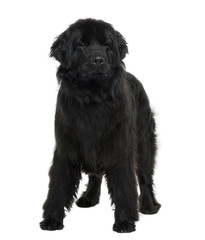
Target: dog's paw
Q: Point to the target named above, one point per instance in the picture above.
(85, 202)
(148, 204)
(150, 209)
(51, 225)
(124, 227)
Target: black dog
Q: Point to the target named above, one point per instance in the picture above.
(103, 126)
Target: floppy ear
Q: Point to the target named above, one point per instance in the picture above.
(61, 49)
(122, 45)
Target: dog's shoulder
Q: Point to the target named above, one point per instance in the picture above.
(134, 84)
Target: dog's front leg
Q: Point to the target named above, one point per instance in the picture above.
(64, 181)
(122, 187)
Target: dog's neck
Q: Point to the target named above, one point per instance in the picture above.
(90, 91)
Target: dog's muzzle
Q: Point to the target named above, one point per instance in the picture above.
(97, 59)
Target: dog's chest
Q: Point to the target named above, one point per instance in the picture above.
(92, 123)
(93, 128)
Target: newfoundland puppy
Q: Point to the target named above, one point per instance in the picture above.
(103, 126)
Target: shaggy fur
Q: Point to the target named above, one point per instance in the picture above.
(103, 126)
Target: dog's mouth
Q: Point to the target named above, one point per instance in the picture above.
(97, 72)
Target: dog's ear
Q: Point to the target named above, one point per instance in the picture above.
(122, 45)
(61, 49)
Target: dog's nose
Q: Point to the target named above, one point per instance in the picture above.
(98, 60)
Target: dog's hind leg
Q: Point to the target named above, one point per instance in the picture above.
(91, 196)
(147, 201)
(146, 157)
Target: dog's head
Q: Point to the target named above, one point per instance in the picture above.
(90, 48)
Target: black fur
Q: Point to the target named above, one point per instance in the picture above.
(103, 126)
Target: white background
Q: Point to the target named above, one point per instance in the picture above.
(166, 41)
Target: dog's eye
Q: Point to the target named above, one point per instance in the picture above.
(107, 44)
(82, 44)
